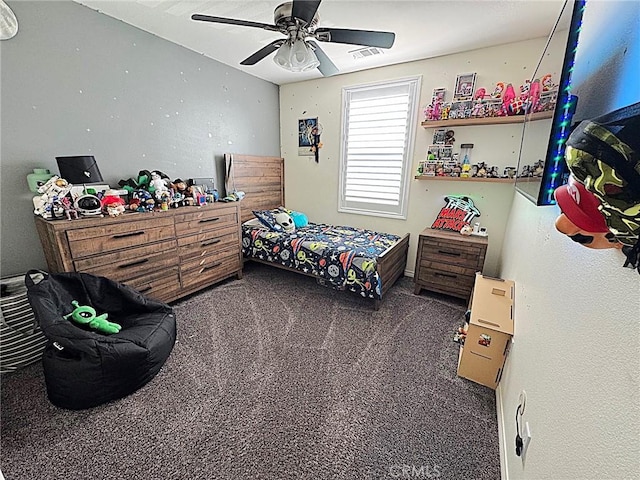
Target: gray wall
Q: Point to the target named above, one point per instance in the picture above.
(74, 82)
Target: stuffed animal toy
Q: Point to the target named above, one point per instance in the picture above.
(299, 219)
(112, 204)
(141, 182)
(158, 185)
(54, 189)
(285, 221)
(86, 315)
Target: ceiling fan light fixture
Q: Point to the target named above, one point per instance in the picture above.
(296, 57)
(282, 57)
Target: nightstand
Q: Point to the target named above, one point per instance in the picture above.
(447, 262)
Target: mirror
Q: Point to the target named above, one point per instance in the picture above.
(540, 136)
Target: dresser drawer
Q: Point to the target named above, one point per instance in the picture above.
(132, 262)
(447, 280)
(447, 262)
(210, 268)
(451, 253)
(207, 243)
(162, 285)
(447, 267)
(206, 221)
(108, 238)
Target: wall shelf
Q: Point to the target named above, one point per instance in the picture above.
(460, 122)
(465, 179)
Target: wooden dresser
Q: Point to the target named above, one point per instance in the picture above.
(447, 262)
(165, 255)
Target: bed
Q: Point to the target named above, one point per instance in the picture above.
(358, 260)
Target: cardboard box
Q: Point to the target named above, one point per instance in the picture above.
(490, 331)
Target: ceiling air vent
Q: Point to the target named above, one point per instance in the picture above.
(365, 52)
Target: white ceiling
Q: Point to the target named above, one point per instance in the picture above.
(424, 29)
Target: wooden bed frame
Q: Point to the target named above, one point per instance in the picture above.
(262, 181)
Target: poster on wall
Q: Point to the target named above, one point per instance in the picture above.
(459, 211)
(306, 128)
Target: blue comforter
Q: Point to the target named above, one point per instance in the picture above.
(344, 258)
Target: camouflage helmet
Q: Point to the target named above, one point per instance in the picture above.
(604, 155)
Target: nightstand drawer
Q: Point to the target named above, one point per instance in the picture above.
(448, 267)
(447, 279)
(447, 262)
(450, 253)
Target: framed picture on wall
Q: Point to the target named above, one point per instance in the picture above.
(306, 127)
(465, 84)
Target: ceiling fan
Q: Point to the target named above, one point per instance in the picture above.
(298, 20)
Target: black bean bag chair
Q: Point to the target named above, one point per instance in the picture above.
(84, 368)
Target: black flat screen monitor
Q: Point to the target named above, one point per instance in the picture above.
(79, 169)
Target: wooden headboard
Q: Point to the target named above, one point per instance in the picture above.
(260, 178)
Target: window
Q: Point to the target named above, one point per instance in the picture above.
(378, 125)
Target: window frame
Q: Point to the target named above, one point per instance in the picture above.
(413, 84)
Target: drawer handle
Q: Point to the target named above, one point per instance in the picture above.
(145, 289)
(448, 275)
(210, 242)
(132, 234)
(487, 322)
(481, 355)
(133, 264)
(451, 254)
(217, 264)
(215, 219)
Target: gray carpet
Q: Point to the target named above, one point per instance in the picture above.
(275, 377)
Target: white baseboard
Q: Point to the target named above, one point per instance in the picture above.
(502, 436)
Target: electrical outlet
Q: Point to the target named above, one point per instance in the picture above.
(526, 440)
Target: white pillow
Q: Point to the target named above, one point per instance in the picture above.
(254, 222)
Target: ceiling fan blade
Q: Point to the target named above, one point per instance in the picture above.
(305, 10)
(233, 21)
(326, 67)
(263, 52)
(369, 38)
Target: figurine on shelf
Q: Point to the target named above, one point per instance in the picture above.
(444, 113)
(481, 170)
(526, 171)
(508, 97)
(537, 169)
(493, 172)
(478, 109)
(498, 91)
(509, 172)
(449, 137)
(480, 94)
(533, 99)
(428, 111)
(547, 83)
(435, 111)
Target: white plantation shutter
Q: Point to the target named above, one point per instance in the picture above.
(379, 123)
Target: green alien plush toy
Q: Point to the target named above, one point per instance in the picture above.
(86, 315)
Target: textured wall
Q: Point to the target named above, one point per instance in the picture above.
(577, 337)
(78, 82)
(313, 188)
